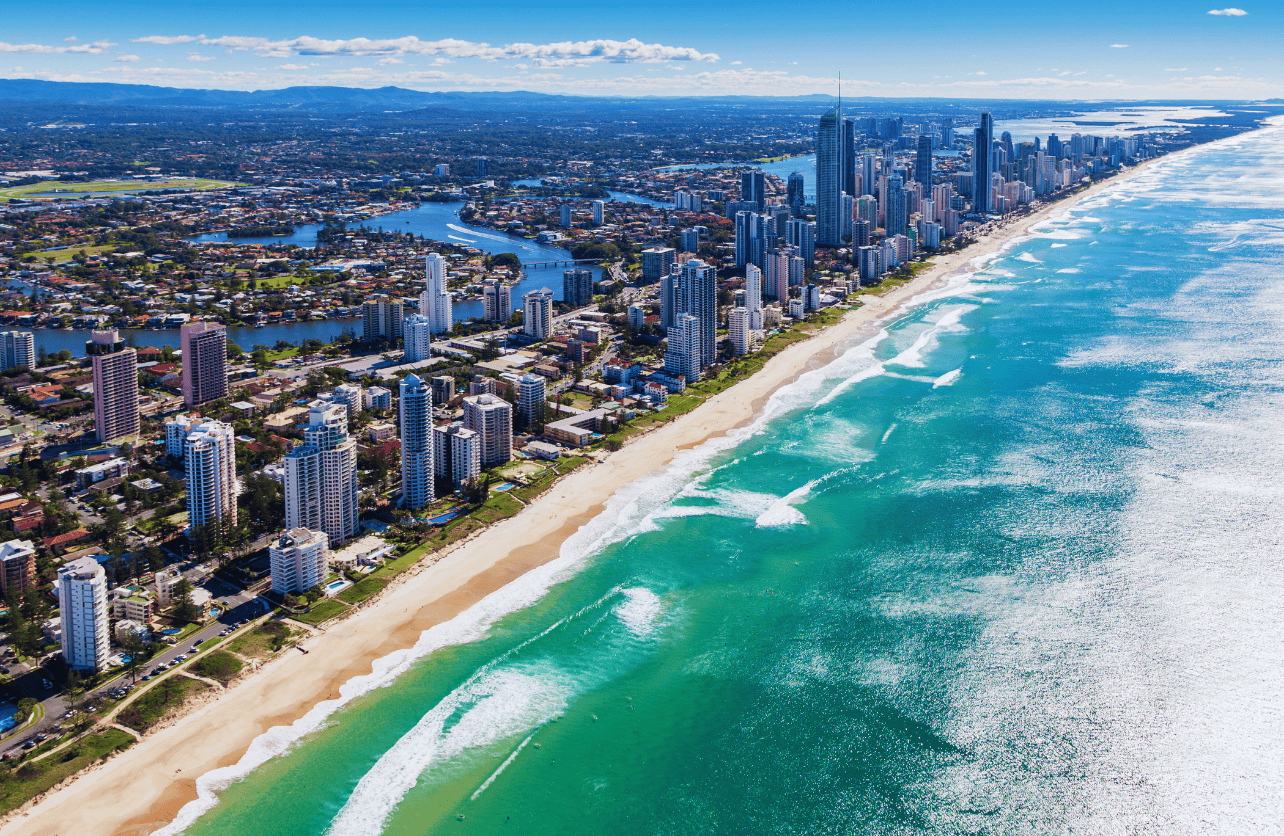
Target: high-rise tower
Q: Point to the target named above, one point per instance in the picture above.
(829, 178)
(983, 164)
(115, 372)
(204, 362)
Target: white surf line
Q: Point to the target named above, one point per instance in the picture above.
(501, 768)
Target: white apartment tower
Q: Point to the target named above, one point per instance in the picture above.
(297, 560)
(17, 348)
(115, 386)
(456, 454)
(82, 605)
(176, 430)
(209, 457)
(416, 443)
(753, 297)
(204, 362)
(498, 300)
(531, 398)
(738, 330)
(417, 333)
(491, 417)
(537, 309)
(321, 476)
(434, 302)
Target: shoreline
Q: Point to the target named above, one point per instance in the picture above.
(143, 788)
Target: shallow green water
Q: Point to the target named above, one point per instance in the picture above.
(1010, 566)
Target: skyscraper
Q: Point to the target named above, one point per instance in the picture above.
(537, 308)
(82, 607)
(498, 301)
(204, 362)
(697, 294)
(434, 302)
(17, 348)
(983, 164)
(751, 238)
(658, 262)
(896, 216)
(381, 319)
(577, 288)
(417, 333)
(682, 354)
(690, 240)
(829, 178)
(802, 234)
(753, 298)
(321, 476)
(849, 157)
(415, 411)
(599, 212)
(209, 458)
(753, 187)
(115, 373)
(923, 164)
(794, 195)
(456, 452)
(491, 417)
(531, 398)
(738, 330)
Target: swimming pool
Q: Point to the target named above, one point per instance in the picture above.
(335, 587)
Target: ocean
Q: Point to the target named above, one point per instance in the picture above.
(1011, 565)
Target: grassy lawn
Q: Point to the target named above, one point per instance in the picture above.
(30, 779)
(94, 186)
(73, 252)
(220, 666)
(167, 696)
(362, 589)
(264, 640)
(284, 280)
(283, 353)
(323, 611)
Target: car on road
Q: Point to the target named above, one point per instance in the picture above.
(46, 683)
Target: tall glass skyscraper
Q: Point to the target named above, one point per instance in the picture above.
(829, 178)
(983, 164)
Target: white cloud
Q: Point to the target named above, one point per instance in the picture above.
(736, 63)
(96, 48)
(1180, 70)
(293, 67)
(1119, 46)
(196, 56)
(168, 40)
(71, 39)
(127, 59)
(1228, 12)
(383, 62)
(565, 53)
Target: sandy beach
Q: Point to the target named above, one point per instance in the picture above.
(142, 789)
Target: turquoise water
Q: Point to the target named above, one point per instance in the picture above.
(1009, 566)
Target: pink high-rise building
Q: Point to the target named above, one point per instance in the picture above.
(115, 386)
(204, 362)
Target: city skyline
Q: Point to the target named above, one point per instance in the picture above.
(1146, 50)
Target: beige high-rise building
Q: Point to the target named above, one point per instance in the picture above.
(491, 417)
(321, 476)
(204, 362)
(209, 457)
(115, 386)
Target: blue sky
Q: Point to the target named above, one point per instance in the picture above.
(1140, 49)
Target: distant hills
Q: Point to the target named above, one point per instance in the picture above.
(322, 98)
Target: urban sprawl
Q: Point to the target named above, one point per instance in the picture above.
(178, 514)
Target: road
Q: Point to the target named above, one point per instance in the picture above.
(240, 606)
